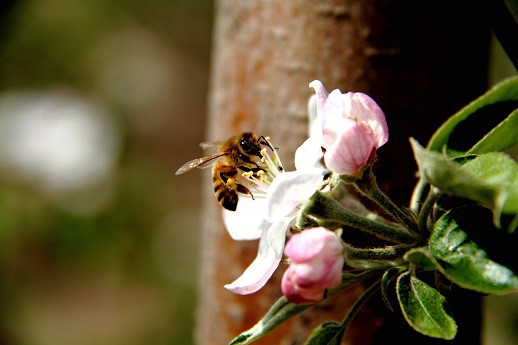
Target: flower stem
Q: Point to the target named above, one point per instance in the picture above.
(359, 303)
(368, 186)
(282, 310)
(386, 253)
(416, 195)
(427, 208)
(375, 264)
(350, 279)
(327, 210)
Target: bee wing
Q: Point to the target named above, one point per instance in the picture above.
(201, 163)
(213, 146)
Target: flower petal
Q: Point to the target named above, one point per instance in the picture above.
(269, 255)
(309, 155)
(363, 108)
(315, 119)
(297, 294)
(313, 242)
(321, 93)
(289, 189)
(332, 117)
(352, 148)
(309, 273)
(247, 221)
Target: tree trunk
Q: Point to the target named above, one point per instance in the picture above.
(420, 63)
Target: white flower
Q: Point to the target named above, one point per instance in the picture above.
(310, 153)
(277, 195)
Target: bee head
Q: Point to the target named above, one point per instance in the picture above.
(250, 144)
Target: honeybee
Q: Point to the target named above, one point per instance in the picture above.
(238, 154)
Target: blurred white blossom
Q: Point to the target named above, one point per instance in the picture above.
(56, 141)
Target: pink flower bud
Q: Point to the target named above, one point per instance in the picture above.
(349, 146)
(316, 263)
(351, 150)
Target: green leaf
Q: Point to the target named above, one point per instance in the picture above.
(423, 308)
(499, 103)
(327, 333)
(421, 258)
(453, 178)
(513, 225)
(501, 137)
(282, 310)
(501, 170)
(464, 263)
(387, 278)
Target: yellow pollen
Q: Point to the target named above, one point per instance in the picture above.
(232, 183)
(247, 174)
(263, 152)
(266, 138)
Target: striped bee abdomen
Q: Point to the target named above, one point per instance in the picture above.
(225, 186)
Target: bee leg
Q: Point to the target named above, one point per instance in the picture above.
(227, 172)
(254, 170)
(243, 190)
(233, 184)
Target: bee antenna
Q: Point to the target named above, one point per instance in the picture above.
(266, 143)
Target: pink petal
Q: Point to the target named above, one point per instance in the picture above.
(334, 274)
(365, 109)
(307, 244)
(352, 148)
(332, 117)
(296, 294)
(307, 274)
(320, 268)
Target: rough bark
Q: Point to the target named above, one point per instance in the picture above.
(419, 62)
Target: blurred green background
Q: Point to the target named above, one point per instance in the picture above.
(100, 102)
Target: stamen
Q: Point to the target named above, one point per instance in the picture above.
(247, 174)
(277, 159)
(256, 195)
(262, 176)
(268, 168)
(268, 179)
(252, 179)
(272, 167)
